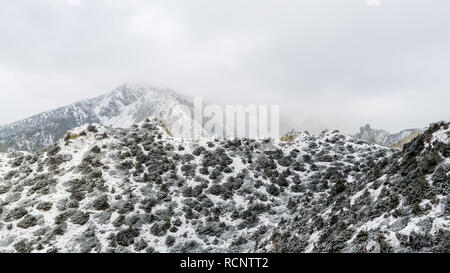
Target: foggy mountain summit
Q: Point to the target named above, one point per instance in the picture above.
(132, 103)
(257, 148)
(122, 107)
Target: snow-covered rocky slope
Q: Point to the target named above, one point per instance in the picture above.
(139, 190)
(401, 205)
(384, 138)
(123, 107)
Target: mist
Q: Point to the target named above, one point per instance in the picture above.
(328, 64)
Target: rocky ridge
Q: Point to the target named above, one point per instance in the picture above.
(384, 138)
(122, 107)
(140, 190)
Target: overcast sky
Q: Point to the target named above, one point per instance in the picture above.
(327, 63)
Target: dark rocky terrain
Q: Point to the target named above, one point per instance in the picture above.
(139, 190)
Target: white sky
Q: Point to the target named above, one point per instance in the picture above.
(327, 63)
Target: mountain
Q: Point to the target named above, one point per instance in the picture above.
(384, 138)
(137, 189)
(124, 106)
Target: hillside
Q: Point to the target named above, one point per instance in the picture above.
(139, 190)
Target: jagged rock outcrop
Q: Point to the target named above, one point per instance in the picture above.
(384, 138)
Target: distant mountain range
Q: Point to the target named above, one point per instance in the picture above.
(370, 135)
(384, 138)
(128, 183)
(130, 104)
(123, 107)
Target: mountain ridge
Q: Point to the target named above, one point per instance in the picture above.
(122, 107)
(104, 189)
(384, 138)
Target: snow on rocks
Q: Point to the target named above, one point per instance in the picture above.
(139, 190)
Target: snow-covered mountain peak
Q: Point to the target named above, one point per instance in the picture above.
(132, 103)
(124, 106)
(135, 90)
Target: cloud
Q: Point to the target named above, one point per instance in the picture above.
(326, 63)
